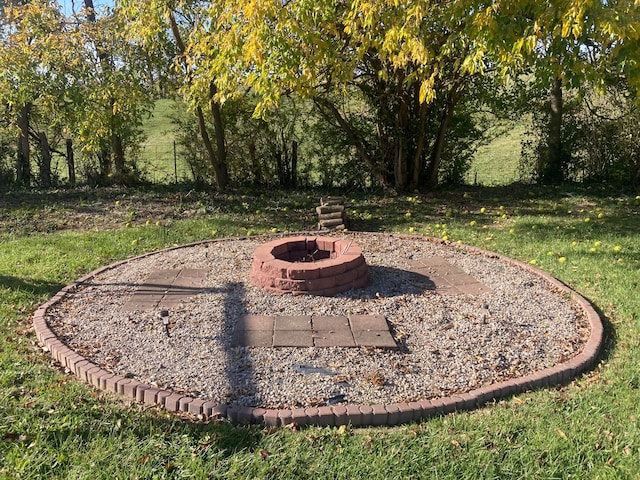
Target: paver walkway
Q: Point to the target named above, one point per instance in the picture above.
(313, 331)
(167, 289)
(439, 275)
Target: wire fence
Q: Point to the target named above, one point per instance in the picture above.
(162, 163)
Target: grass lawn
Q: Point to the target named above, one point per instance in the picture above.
(157, 155)
(496, 163)
(53, 426)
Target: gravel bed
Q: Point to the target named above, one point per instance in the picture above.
(449, 343)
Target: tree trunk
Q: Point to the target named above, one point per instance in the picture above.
(204, 134)
(286, 170)
(294, 164)
(23, 159)
(118, 155)
(221, 171)
(362, 147)
(279, 167)
(401, 167)
(217, 158)
(256, 167)
(552, 171)
(116, 146)
(105, 165)
(418, 155)
(116, 138)
(71, 164)
(45, 165)
(438, 146)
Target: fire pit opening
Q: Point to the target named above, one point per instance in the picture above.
(309, 265)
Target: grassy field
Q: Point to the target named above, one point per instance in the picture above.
(54, 427)
(158, 161)
(496, 163)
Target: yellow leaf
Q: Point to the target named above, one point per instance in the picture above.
(561, 433)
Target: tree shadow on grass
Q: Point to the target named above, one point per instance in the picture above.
(37, 287)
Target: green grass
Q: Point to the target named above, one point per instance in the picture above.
(157, 155)
(496, 163)
(53, 426)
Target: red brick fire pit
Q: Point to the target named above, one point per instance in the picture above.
(309, 265)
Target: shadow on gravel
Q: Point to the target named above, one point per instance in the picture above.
(388, 282)
(239, 366)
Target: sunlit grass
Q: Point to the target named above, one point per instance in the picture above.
(52, 426)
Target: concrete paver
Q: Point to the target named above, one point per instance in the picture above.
(337, 338)
(292, 338)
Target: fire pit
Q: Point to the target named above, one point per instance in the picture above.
(309, 265)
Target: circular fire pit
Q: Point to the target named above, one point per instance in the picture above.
(309, 265)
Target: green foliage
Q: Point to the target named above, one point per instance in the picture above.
(609, 150)
(80, 79)
(598, 138)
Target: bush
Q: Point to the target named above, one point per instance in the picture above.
(599, 137)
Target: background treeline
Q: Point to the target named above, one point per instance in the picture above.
(390, 94)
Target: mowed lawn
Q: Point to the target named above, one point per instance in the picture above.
(53, 426)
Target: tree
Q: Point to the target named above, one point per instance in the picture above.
(68, 77)
(112, 96)
(29, 34)
(567, 47)
(408, 62)
(172, 28)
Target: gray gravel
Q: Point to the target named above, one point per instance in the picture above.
(449, 344)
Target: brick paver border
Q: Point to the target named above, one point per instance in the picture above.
(356, 415)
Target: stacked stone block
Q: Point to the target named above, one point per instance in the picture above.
(331, 213)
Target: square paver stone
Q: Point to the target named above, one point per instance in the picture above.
(292, 338)
(431, 264)
(440, 282)
(451, 290)
(162, 277)
(326, 323)
(252, 338)
(141, 303)
(368, 322)
(337, 338)
(374, 338)
(422, 278)
(435, 260)
(458, 279)
(290, 323)
(191, 276)
(255, 322)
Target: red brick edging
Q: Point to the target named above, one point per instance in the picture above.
(356, 415)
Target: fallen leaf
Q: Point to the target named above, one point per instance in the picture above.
(264, 454)
(561, 433)
(293, 426)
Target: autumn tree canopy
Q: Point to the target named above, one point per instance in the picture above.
(411, 63)
(401, 80)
